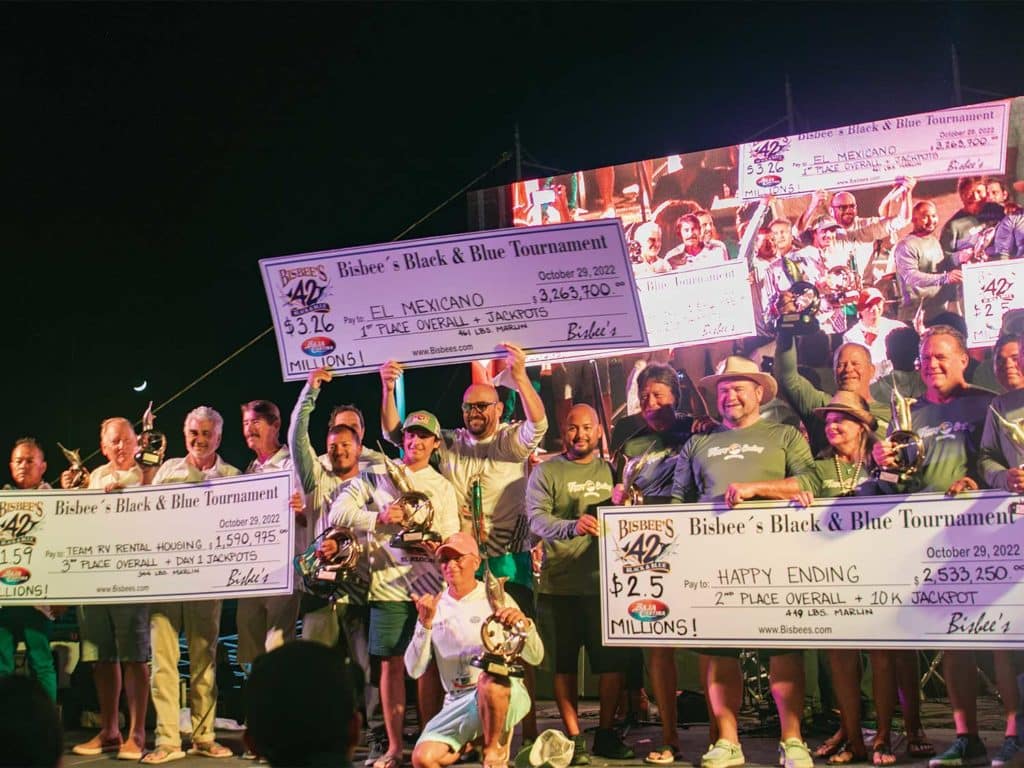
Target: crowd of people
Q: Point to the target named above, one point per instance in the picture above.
(415, 611)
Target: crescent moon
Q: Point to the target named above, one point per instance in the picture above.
(141, 386)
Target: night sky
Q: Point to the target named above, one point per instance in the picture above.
(153, 153)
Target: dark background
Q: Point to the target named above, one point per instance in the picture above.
(153, 153)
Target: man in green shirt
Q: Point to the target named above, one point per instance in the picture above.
(744, 447)
(562, 497)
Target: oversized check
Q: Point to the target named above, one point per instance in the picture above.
(990, 290)
(453, 299)
(920, 571)
(231, 537)
(961, 141)
(688, 307)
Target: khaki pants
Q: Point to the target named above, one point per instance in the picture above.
(200, 620)
(265, 623)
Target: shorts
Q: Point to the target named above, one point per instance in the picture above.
(523, 597)
(458, 722)
(114, 632)
(574, 621)
(391, 626)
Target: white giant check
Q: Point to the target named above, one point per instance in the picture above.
(452, 299)
(687, 307)
(990, 290)
(920, 571)
(231, 537)
(961, 141)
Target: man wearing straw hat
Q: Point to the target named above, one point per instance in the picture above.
(744, 448)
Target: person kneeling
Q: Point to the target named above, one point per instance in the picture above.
(478, 706)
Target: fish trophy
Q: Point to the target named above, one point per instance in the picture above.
(417, 511)
(79, 474)
(1014, 431)
(502, 645)
(330, 560)
(906, 443)
(798, 309)
(152, 444)
(630, 472)
(840, 287)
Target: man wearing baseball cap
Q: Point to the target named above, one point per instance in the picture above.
(478, 705)
(872, 329)
(744, 448)
(374, 506)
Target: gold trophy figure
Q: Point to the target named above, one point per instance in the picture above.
(79, 474)
(330, 560)
(417, 510)
(798, 309)
(630, 473)
(152, 444)
(907, 445)
(1014, 430)
(502, 645)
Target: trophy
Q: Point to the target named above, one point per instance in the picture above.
(502, 645)
(417, 511)
(798, 309)
(630, 472)
(841, 287)
(330, 560)
(1014, 431)
(79, 474)
(907, 444)
(152, 444)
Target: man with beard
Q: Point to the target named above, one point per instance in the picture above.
(562, 496)
(654, 443)
(496, 455)
(692, 251)
(926, 287)
(744, 448)
(200, 619)
(968, 234)
(28, 623)
(789, 266)
(116, 637)
(374, 507)
(949, 419)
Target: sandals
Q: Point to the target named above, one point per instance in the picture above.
(830, 746)
(918, 746)
(388, 761)
(162, 755)
(97, 746)
(882, 754)
(846, 755)
(666, 754)
(209, 749)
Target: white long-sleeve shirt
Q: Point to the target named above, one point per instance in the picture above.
(454, 639)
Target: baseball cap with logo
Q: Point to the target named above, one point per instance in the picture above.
(868, 297)
(551, 749)
(423, 420)
(826, 222)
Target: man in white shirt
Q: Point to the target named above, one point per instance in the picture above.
(477, 705)
(872, 329)
(200, 619)
(116, 637)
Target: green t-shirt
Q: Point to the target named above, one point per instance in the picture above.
(661, 449)
(558, 493)
(951, 433)
(824, 482)
(763, 451)
(998, 452)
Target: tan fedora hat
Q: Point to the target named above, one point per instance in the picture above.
(736, 367)
(849, 404)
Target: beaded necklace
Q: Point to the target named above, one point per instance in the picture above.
(847, 485)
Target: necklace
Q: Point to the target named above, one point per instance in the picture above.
(847, 484)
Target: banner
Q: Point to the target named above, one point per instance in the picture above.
(990, 290)
(918, 571)
(453, 299)
(231, 537)
(963, 141)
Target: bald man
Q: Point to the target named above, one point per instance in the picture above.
(497, 454)
(562, 497)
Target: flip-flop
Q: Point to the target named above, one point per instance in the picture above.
(388, 761)
(882, 754)
(918, 746)
(210, 749)
(666, 754)
(86, 748)
(162, 755)
(847, 755)
(830, 746)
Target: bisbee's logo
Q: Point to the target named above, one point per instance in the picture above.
(304, 289)
(644, 544)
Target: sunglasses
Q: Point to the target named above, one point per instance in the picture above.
(479, 407)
